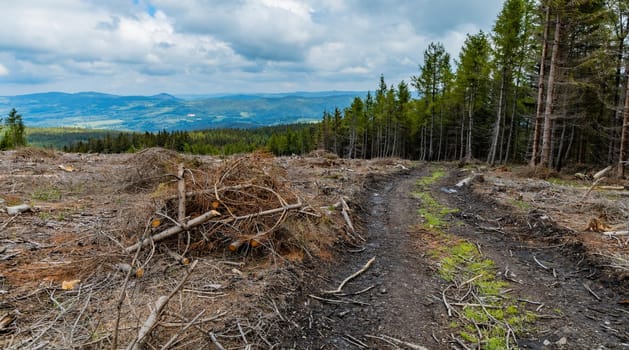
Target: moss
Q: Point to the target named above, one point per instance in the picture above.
(432, 178)
(495, 344)
(461, 263)
(521, 204)
(512, 310)
(468, 337)
(476, 314)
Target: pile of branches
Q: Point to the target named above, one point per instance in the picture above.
(239, 205)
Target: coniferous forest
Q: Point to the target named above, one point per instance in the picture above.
(548, 86)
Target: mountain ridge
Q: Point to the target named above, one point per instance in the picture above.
(164, 111)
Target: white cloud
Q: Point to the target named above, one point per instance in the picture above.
(149, 46)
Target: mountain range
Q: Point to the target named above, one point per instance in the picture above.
(94, 110)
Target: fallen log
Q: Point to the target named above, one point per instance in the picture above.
(174, 230)
(16, 209)
(206, 217)
(467, 181)
(601, 173)
(345, 213)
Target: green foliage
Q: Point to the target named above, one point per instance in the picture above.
(433, 212)
(47, 194)
(281, 140)
(489, 317)
(12, 132)
(464, 264)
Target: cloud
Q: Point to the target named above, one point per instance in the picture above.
(276, 30)
(202, 46)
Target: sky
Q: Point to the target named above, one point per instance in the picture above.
(145, 47)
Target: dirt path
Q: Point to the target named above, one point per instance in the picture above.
(403, 286)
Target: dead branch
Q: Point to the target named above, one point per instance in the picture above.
(257, 239)
(297, 205)
(345, 212)
(172, 339)
(153, 318)
(174, 230)
(215, 341)
(139, 272)
(445, 301)
(6, 321)
(114, 344)
(179, 258)
(591, 292)
(616, 233)
(354, 275)
(338, 301)
(181, 188)
(540, 264)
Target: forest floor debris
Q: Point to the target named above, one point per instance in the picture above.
(287, 229)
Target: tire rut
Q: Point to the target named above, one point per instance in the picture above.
(399, 303)
(403, 296)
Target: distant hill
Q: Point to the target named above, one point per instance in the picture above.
(189, 112)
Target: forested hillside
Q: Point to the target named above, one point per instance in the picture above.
(281, 140)
(547, 86)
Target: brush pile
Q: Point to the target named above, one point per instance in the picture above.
(239, 205)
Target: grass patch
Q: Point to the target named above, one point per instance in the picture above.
(486, 316)
(433, 212)
(47, 194)
(522, 205)
(564, 182)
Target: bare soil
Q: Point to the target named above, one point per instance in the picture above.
(87, 208)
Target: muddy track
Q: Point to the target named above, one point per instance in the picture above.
(403, 287)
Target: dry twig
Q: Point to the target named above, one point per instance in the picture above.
(153, 318)
(354, 275)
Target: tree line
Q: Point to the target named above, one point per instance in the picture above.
(547, 86)
(281, 140)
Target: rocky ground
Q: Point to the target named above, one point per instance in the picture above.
(432, 265)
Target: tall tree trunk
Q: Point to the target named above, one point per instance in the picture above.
(491, 157)
(540, 92)
(625, 130)
(468, 152)
(548, 109)
(462, 145)
(511, 136)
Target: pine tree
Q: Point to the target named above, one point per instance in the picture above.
(509, 36)
(472, 78)
(14, 134)
(430, 84)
